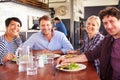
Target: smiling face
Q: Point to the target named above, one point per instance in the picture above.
(45, 26)
(112, 25)
(92, 26)
(13, 28)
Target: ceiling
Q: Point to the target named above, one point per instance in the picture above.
(92, 2)
(100, 2)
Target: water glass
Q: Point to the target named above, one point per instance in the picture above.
(44, 56)
(32, 66)
(50, 59)
(22, 66)
(41, 61)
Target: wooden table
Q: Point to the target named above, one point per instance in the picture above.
(49, 72)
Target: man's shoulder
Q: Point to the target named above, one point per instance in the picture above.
(36, 34)
(59, 23)
(58, 32)
(108, 38)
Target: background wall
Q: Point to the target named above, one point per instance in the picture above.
(25, 13)
(56, 6)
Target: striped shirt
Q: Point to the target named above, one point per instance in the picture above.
(58, 42)
(90, 45)
(8, 47)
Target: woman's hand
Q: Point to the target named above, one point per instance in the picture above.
(8, 57)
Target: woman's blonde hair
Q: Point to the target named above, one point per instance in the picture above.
(96, 18)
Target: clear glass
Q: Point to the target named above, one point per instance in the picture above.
(50, 59)
(32, 65)
(41, 61)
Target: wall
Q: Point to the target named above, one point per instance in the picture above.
(78, 9)
(57, 5)
(89, 3)
(24, 13)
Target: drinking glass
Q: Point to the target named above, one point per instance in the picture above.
(50, 59)
(32, 65)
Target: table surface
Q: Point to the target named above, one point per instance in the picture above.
(49, 72)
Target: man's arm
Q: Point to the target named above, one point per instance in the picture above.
(47, 51)
(79, 58)
(57, 52)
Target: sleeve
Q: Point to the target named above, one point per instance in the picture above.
(30, 42)
(95, 53)
(58, 25)
(81, 49)
(3, 51)
(97, 41)
(66, 44)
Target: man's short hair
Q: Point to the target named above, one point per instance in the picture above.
(45, 17)
(110, 11)
(56, 18)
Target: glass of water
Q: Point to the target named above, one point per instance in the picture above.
(32, 65)
(50, 59)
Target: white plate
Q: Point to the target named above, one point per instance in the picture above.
(69, 55)
(81, 67)
(56, 55)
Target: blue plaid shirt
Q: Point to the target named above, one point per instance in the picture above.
(88, 45)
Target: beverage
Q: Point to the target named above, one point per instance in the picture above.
(50, 60)
(41, 61)
(44, 58)
(31, 70)
(22, 66)
(32, 66)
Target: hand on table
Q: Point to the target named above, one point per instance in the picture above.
(62, 60)
(77, 52)
(71, 51)
(46, 51)
(8, 57)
